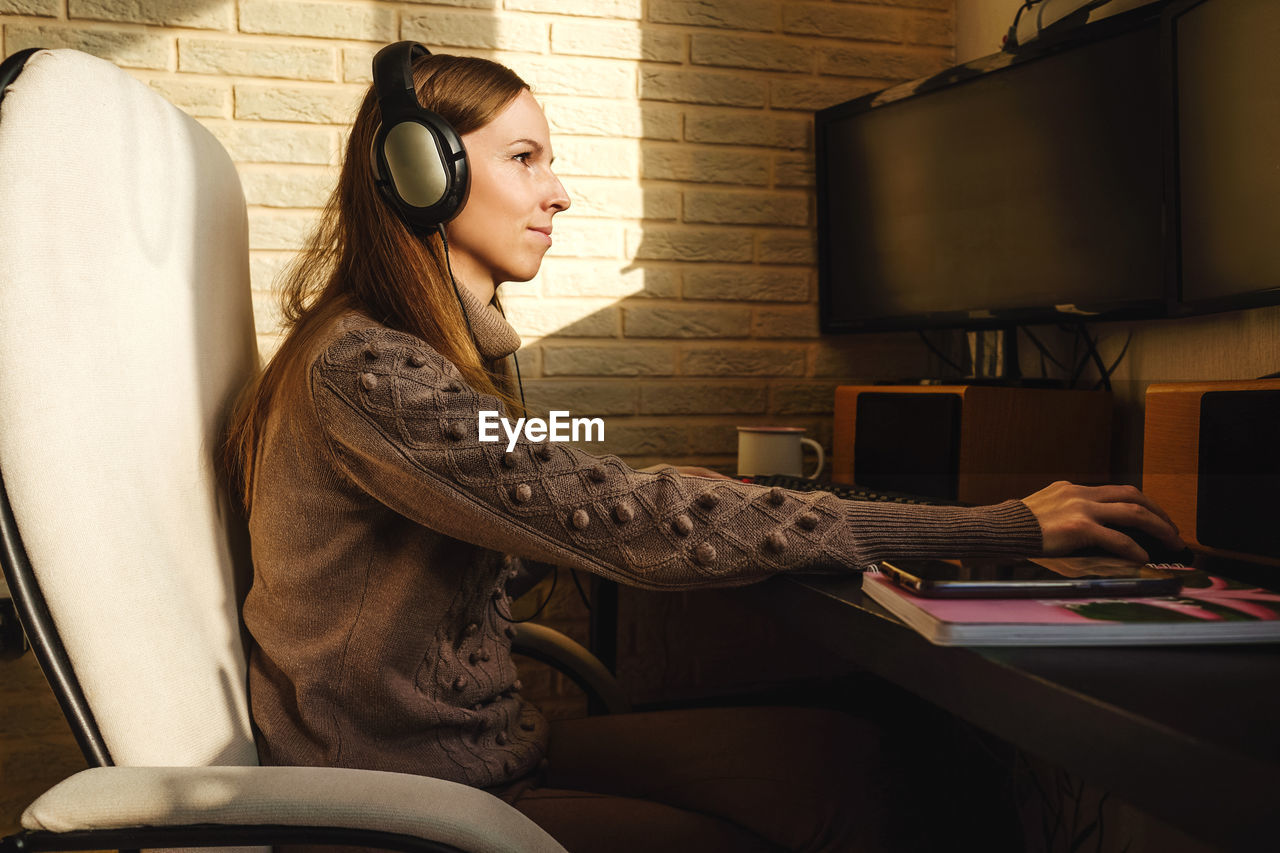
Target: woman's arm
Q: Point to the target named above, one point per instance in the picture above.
(401, 423)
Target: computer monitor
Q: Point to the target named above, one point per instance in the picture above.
(1005, 191)
(1226, 70)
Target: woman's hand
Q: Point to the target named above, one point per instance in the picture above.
(1074, 517)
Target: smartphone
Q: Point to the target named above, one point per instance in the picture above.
(1046, 577)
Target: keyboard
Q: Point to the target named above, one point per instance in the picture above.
(848, 493)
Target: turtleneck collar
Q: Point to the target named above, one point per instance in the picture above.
(495, 338)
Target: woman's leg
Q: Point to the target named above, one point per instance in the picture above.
(586, 822)
(801, 779)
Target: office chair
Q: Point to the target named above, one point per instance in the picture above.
(126, 330)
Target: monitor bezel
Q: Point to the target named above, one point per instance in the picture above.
(1181, 306)
(1132, 309)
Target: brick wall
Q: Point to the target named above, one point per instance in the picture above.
(680, 296)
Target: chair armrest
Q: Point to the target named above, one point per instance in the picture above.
(449, 813)
(573, 659)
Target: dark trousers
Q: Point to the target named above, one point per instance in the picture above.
(713, 779)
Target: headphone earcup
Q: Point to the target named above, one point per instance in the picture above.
(418, 159)
(421, 167)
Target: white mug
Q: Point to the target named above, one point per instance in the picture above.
(774, 450)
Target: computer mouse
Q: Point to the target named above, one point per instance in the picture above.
(1157, 550)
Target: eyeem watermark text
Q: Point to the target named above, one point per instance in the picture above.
(560, 427)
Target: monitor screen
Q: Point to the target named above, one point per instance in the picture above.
(1228, 97)
(1026, 193)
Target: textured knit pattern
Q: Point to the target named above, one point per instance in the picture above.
(494, 336)
(380, 521)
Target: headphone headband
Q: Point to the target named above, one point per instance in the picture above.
(393, 77)
(418, 159)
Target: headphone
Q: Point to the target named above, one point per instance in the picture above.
(418, 160)
(419, 163)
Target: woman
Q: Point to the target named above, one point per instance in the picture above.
(385, 534)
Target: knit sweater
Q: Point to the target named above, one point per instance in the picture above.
(384, 535)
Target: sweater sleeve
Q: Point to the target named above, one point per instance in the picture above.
(403, 425)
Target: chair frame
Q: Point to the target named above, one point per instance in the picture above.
(42, 635)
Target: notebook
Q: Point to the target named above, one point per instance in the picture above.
(1209, 609)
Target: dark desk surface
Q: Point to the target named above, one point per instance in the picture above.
(1190, 734)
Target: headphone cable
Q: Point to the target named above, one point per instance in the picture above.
(467, 319)
(470, 331)
(524, 408)
(555, 577)
(457, 293)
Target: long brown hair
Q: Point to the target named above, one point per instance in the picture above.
(362, 256)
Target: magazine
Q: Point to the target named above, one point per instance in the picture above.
(1209, 609)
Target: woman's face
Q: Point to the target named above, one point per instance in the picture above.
(505, 227)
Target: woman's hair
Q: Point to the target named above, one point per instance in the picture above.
(363, 256)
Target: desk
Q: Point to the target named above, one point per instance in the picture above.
(1190, 735)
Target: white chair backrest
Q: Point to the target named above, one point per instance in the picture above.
(126, 330)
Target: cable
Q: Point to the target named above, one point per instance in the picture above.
(1091, 355)
(555, 576)
(1044, 351)
(449, 266)
(586, 602)
(1079, 15)
(939, 353)
(467, 319)
(1096, 357)
(1078, 360)
(1102, 801)
(524, 408)
(1011, 38)
(1124, 349)
(1075, 354)
(1046, 805)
